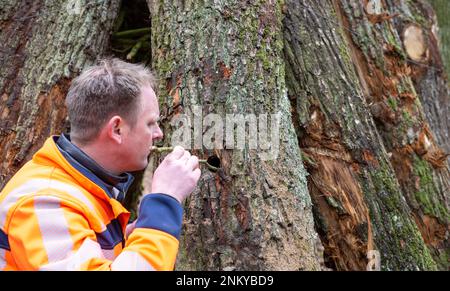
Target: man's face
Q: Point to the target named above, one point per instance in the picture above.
(139, 139)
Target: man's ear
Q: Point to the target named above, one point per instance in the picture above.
(115, 128)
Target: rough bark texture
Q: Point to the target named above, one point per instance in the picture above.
(442, 9)
(252, 214)
(358, 204)
(427, 71)
(43, 45)
(383, 65)
(370, 154)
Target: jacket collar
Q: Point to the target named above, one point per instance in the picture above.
(115, 186)
(50, 154)
(64, 144)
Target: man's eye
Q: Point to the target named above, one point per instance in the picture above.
(153, 123)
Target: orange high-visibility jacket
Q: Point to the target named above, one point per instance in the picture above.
(56, 215)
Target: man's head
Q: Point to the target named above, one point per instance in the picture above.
(114, 113)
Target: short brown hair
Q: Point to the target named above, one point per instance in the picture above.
(110, 88)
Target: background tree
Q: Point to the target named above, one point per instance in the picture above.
(389, 48)
(442, 7)
(43, 45)
(358, 203)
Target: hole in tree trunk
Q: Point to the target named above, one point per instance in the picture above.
(214, 161)
(131, 37)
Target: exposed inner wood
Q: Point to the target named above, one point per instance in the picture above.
(414, 42)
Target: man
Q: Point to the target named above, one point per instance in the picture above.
(62, 210)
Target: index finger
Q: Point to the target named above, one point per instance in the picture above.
(177, 153)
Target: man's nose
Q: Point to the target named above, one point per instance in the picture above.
(158, 134)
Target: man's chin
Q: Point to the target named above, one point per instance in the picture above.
(140, 167)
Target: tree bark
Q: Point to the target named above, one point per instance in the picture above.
(358, 204)
(43, 45)
(383, 61)
(253, 214)
(416, 21)
(367, 113)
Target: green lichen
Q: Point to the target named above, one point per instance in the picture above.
(335, 204)
(402, 231)
(443, 259)
(395, 44)
(392, 103)
(426, 196)
(417, 15)
(262, 56)
(362, 41)
(417, 250)
(407, 119)
(343, 51)
(386, 186)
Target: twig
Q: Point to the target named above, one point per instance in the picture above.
(137, 47)
(169, 149)
(132, 33)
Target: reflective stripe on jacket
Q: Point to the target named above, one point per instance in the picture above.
(53, 217)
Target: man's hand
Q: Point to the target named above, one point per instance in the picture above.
(177, 175)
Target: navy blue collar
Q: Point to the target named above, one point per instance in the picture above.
(115, 186)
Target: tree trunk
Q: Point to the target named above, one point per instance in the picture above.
(383, 60)
(253, 214)
(358, 203)
(367, 113)
(416, 24)
(43, 45)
